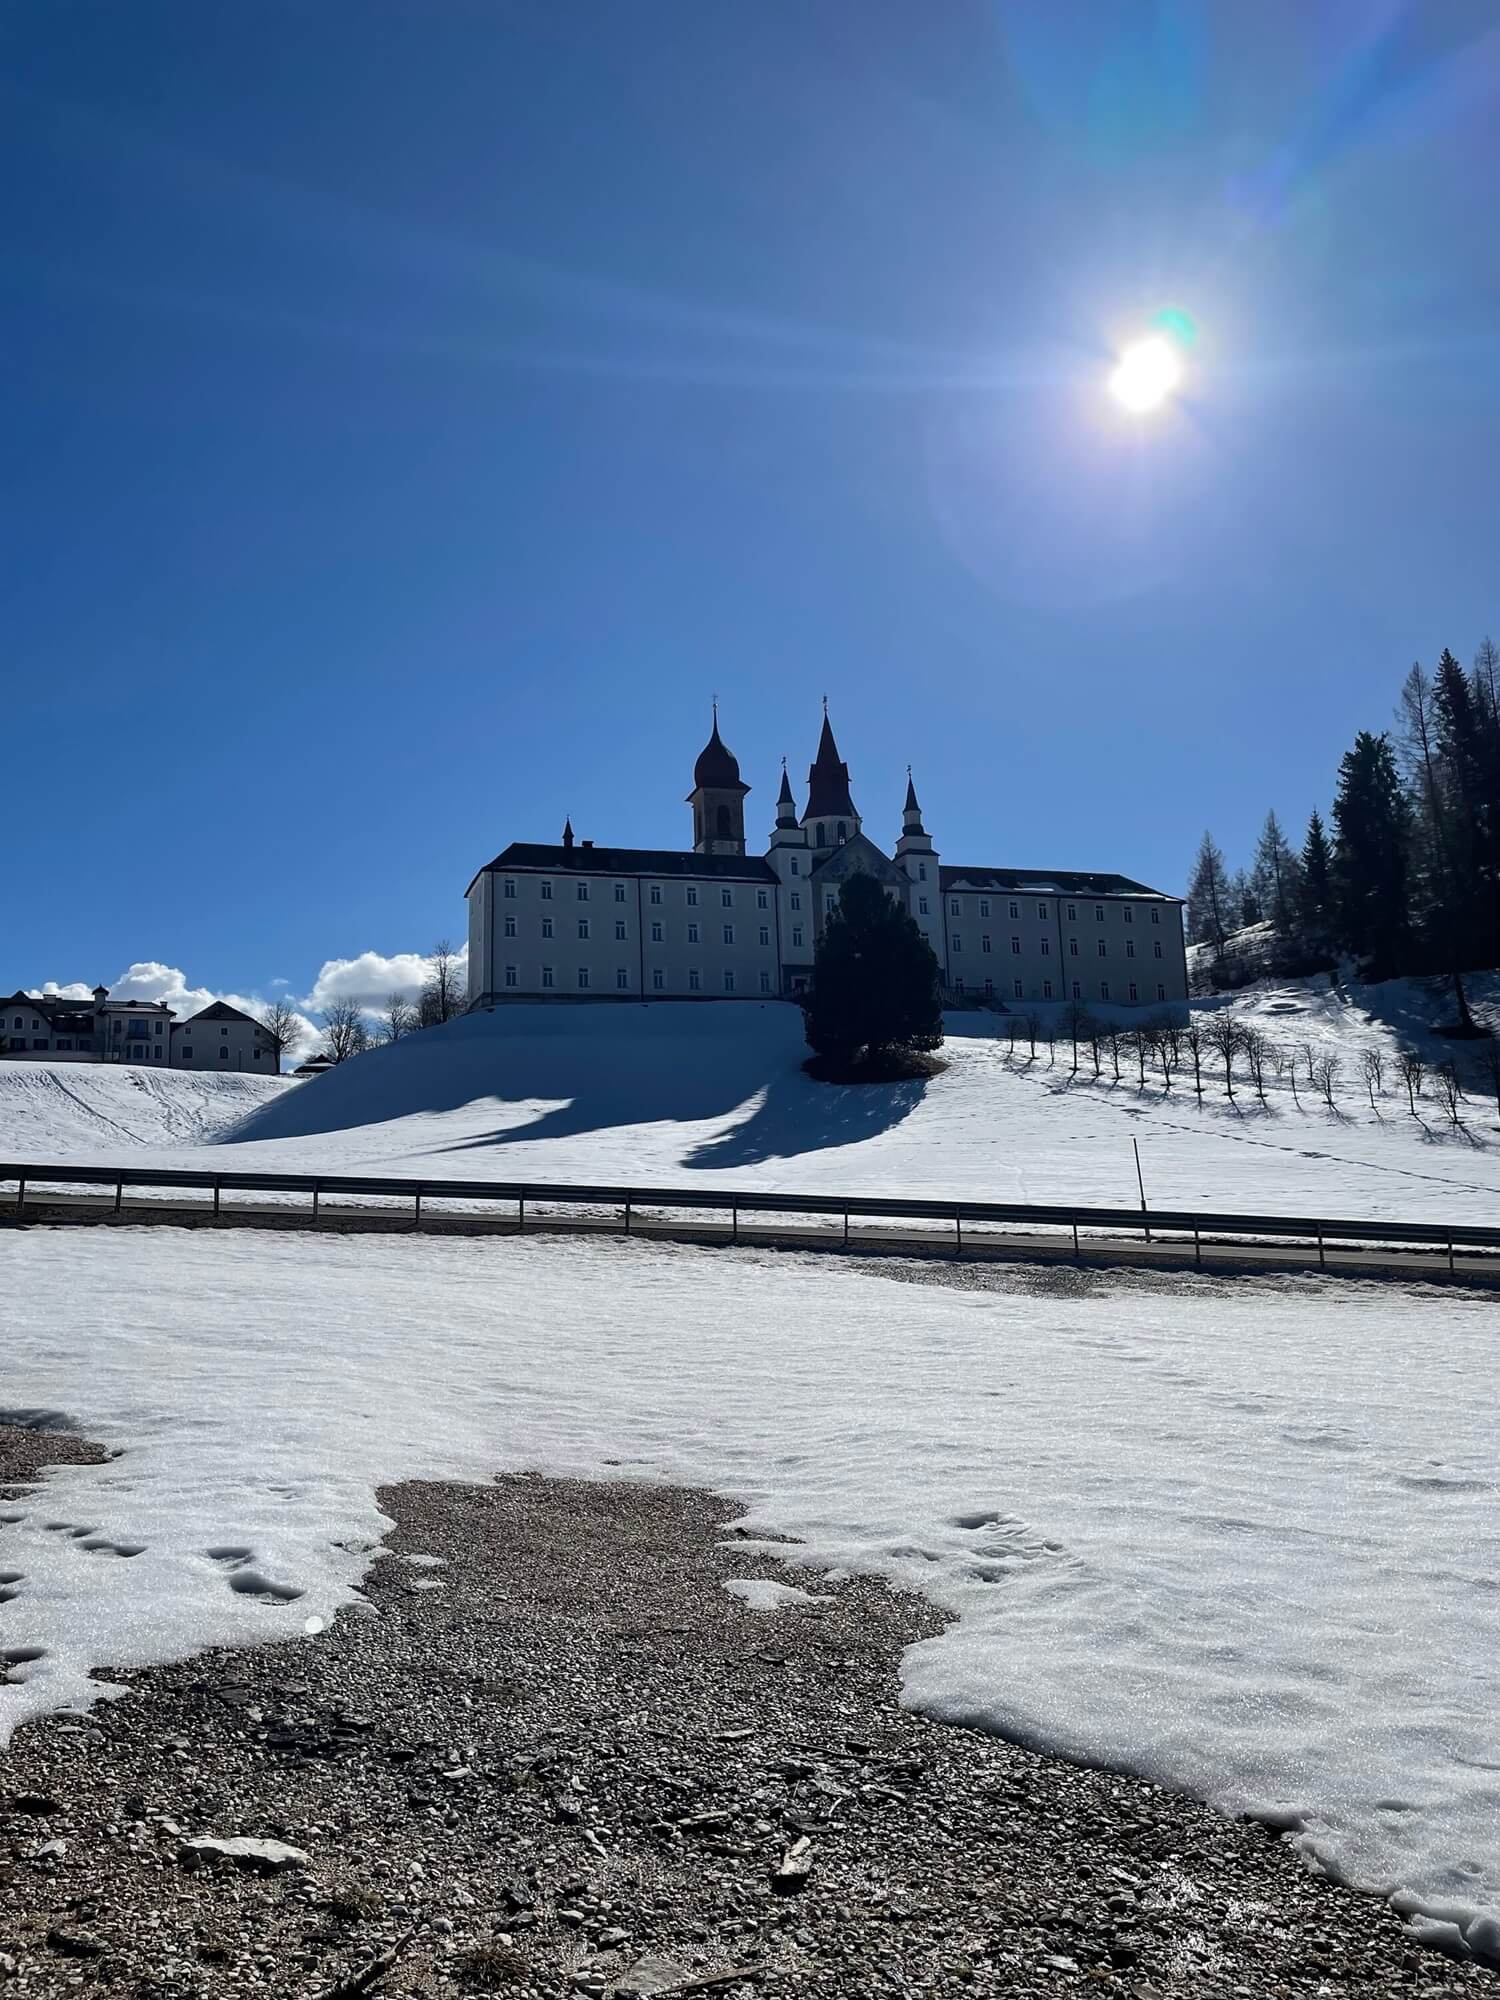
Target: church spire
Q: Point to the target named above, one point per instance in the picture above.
(786, 805)
(567, 840)
(828, 778)
(911, 813)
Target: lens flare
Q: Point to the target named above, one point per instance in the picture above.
(1147, 374)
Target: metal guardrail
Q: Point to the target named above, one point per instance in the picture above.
(1202, 1226)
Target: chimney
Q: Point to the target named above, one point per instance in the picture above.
(585, 843)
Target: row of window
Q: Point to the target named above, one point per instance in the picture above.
(654, 894)
(1044, 945)
(955, 909)
(658, 931)
(1019, 989)
(622, 979)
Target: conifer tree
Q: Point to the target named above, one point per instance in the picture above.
(875, 981)
(1370, 864)
(1275, 877)
(1208, 905)
(1315, 902)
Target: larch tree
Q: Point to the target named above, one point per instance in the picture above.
(1275, 877)
(1208, 907)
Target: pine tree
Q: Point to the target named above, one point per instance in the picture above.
(1275, 876)
(875, 981)
(1244, 904)
(1315, 897)
(1208, 905)
(1370, 864)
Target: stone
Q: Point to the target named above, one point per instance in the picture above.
(263, 1857)
(74, 1944)
(38, 1804)
(655, 1974)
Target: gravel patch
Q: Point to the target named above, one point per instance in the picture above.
(551, 1754)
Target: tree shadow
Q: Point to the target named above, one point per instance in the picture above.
(796, 1115)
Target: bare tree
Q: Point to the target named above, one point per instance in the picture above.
(1031, 1027)
(344, 1030)
(1309, 1055)
(1258, 1055)
(1489, 1066)
(1096, 1047)
(1138, 1043)
(1225, 1037)
(283, 1026)
(1114, 1040)
(1192, 1036)
(1166, 1041)
(396, 1018)
(1449, 1089)
(1327, 1076)
(1411, 1069)
(442, 996)
(1372, 1068)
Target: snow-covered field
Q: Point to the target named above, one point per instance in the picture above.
(1242, 1538)
(674, 1094)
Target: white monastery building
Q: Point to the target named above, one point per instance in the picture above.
(580, 922)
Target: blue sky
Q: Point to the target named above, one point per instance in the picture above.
(412, 415)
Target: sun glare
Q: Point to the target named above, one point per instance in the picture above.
(1147, 374)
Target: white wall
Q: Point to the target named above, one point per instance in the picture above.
(222, 1045)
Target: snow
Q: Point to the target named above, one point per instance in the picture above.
(674, 1094)
(1241, 1538)
(761, 1593)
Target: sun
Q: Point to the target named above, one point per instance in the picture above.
(1147, 374)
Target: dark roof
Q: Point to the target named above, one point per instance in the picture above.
(717, 764)
(784, 796)
(1048, 882)
(52, 1007)
(911, 805)
(828, 780)
(629, 861)
(219, 1010)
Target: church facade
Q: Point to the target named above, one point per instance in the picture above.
(578, 921)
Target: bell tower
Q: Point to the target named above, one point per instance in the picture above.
(717, 798)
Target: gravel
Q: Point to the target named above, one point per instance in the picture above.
(550, 1754)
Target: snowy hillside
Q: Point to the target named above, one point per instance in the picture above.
(677, 1093)
(52, 1111)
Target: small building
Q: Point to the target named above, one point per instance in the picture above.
(49, 1029)
(314, 1066)
(223, 1037)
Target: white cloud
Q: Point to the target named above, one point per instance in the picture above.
(370, 979)
(149, 979)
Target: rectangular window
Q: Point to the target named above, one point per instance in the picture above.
(656, 892)
(1155, 914)
(728, 982)
(620, 930)
(619, 892)
(583, 976)
(1077, 989)
(1046, 989)
(760, 900)
(546, 892)
(546, 975)
(1103, 989)
(921, 871)
(546, 927)
(765, 933)
(989, 989)
(922, 909)
(796, 868)
(510, 925)
(658, 978)
(729, 933)
(953, 907)
(63, 1042)
(797, 937)
(1015, 946)
(1156, 949)
(510, 888)
(512, 976)
(1129, 914)
(1133, 993)
(622, 979)
(1098, 913)
(692, 894)
(1046, 947)
(158, 1027)
(956, 942)
(694, 982)
(1072, 913)
(1041, 910)
(1103, 948)
(655, 932)
(830, 901)
(1017, 985)
(1130, 947)
(1072, 947)
(765, 982)
(583, 892)
(257, 1055)
(1161, 992)
(984, 906)
(692, 933)
(583, 927)
(984, 942)
(796, 899)
(726, 898)
(1015, 911)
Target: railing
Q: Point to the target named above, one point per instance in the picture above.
(1212, 1229)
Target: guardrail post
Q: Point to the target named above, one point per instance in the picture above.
(21, 1195)
(958, 1236)
(1322, 1260)
(119, 1194)
(627, 1215)
(1077, 1253)
(416, 1214)
(1450, 1257)
(734, 1225)
(520, 1211)
(216, 1201)
(1197, 1248)
(846, 1229)
(315, 1204)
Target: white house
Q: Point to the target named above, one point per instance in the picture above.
(580, 922)
(143, 1032)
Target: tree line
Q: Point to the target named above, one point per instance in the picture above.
(1406, 879)
(1221, 1049)
(348, 1030)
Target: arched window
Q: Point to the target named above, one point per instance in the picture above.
(821, 841)
(725, 824)
(843, 831)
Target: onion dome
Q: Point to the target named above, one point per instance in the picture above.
(717, 768)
